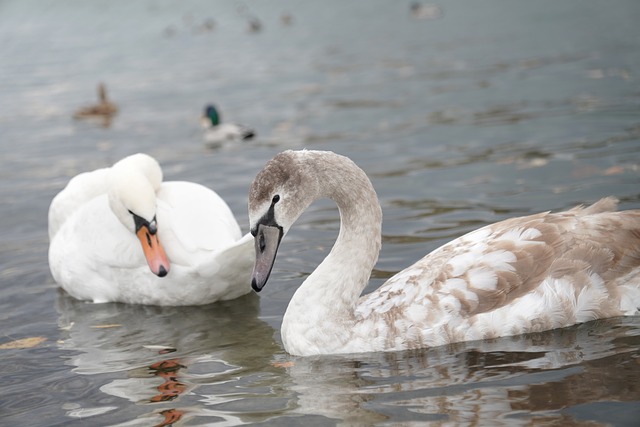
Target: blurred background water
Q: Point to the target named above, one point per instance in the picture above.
(462, 114)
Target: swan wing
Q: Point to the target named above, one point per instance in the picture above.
(101, 249)
(193, 221)
(569, 254)
(231, 267)
(79, 190)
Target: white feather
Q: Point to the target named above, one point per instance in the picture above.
(94, 254)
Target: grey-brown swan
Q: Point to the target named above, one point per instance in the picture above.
(527, 274)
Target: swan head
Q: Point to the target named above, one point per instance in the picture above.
(133, 183)
(285, 187)
(211, 116)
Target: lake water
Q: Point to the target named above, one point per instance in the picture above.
(478, 112)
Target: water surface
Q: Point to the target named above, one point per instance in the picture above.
(484, 112)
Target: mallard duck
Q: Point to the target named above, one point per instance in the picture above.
(217, 133)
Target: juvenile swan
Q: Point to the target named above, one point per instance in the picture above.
(527, 274)
(121, 234)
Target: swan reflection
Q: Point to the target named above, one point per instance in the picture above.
(221, 364)
(517, 379)
(156, 356)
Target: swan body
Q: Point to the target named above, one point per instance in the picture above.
(217, 133)
(120, 234)
(527, 274)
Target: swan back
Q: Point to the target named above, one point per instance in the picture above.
(79, 190)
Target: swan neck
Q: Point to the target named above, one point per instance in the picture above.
(133, 183)
(345, 272)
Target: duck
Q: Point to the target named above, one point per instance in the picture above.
(122, 234)
(422, 11)
(521, 275)
(104, 109)
(254, 25)
(217, 133)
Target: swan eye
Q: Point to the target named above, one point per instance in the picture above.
(153, 226)
(275, 199)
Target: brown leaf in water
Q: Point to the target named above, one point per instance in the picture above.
(613, 170)
(23, 343)
(115, 325)
(287, 364)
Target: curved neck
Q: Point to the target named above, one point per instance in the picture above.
(133, 183)
(335, 286)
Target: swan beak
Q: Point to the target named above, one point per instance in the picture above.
(267, 240)
(153, 251)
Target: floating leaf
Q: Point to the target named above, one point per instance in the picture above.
(23, 343)
(115, 325)
(287, 364)
(613, 170)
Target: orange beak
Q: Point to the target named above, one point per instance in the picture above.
(153, 252)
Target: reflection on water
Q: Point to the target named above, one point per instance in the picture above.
(517, 380)
(461, 114)
(119, 337)
(164, 354)
(220, 364)
(136, 389)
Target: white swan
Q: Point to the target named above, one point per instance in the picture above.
(526, 274)
(121, 234)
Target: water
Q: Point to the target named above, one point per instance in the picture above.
(493, 110)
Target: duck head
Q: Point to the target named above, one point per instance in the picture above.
(211, 116)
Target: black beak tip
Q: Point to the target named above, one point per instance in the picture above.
(163, 271)
(255, 286)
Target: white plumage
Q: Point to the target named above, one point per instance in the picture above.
(94, 253)
(527, 274)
